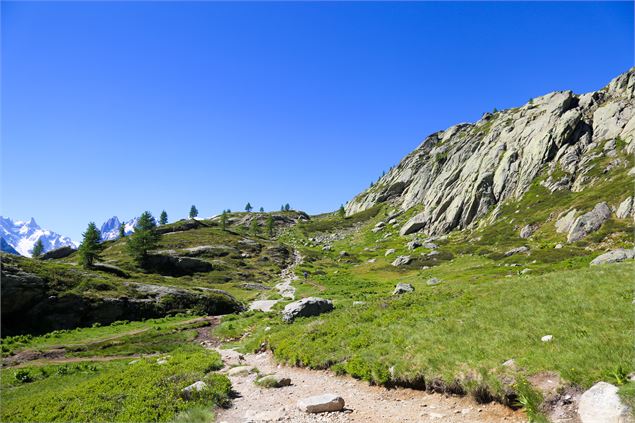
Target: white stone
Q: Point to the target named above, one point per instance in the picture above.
(321, 403)
(602, 404)
(547, 338)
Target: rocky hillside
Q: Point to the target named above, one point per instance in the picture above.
(458, 175)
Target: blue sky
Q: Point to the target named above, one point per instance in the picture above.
(114, 108)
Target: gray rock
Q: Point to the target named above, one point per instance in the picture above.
(430, 245)
(563, 224)
(390, 251)
(602, 404)
(380, 224)
(525, 271)
(188, 391)
(311, 306)
(403, 288)
(344, 254)
(413, 245)
(273, 381)
(527, 231)
(413, 225)
(547, 338)
(625, 209)
(433, 281)
(614, 256)
(254, 286)
(58, 253)
(589, 222)
(321, 403)
(558, 246)
(517, 250)
(401, 261)
(241, 370)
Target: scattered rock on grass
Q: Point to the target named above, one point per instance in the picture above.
(403, 288)
(311, 306)
(614, 256)
(547, 338)
(321, 403)
(433, 281)
(195, 387)
(401, 260)
(601, 403)
(589, 222)
(390, 251)
(517, 250)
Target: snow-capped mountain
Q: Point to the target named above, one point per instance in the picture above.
(22, 236)
(110, 228)
(6, 248)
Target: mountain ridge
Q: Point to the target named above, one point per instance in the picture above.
(22, 236)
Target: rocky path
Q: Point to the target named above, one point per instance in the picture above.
(285, 289)
(364, 403)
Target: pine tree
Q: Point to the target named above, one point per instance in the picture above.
(90, 248)
(163, 218)
(223, 220)
(270, 226)
(248, 208)
(193, 212)
(143, 239)
(254, 227)
(287, 207)
(281, 208)
(122, 230)
(262, 210)
(38, 248)
(341, 212)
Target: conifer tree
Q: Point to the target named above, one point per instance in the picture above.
(38, 248)
(281, 208)
(90, 248)
(248, 207)
(122, 230)
(270, 226)
(262, 210)
(143, 239)
(287, 207)
(341, 212)
(223, 220)
(193, 212)
(163, 218)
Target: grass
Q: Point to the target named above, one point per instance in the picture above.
(116, 391)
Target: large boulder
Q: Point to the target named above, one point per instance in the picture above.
(563, 224)
(413, 225)
(614, 256)
(311, 306)
(321, 403)
(58, 253)
(625, 209)
(589, 222)
(602, 404)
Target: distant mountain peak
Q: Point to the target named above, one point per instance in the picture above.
(22, 235)
(110, 228)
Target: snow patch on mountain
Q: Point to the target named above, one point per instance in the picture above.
(110, 228)
(22, 235)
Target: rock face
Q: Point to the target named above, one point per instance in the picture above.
(403, 288)
(601, 403)
(589, 222)
(58, 253)
(321, 403)
(311, 306)
(458, 174)
(614, 256)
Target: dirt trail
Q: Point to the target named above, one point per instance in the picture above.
(285, 289)
(364, 403)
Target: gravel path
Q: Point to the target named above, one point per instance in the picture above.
(285, 288)
(364, 403)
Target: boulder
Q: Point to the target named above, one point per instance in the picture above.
(403, 288)
(188, 391)
(601, 403)
(321, 403)
(273, 381)
(527, 231)
(430, 245)
(58, 253)
(614, 256)
(625, 209)
(589, 222)
(311, 306)
(401, 260)
(563, 224)
(413, 245)
(413, 225)
(517, 250)
(390, 251)
(433, 281)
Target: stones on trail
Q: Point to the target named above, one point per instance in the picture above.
(517, 250)
(401, 261)
(589, 222)
(390, 251)
(311, 306)
(188, 391)
(273, 381)
(614, 256)
(527, 231)
(241, 371)
(547, 338)
(433, 281)
(601, 403)
(321, 403)
(403, 288)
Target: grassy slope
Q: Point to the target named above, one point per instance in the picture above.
(118, 390)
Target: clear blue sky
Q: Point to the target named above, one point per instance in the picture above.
(114, 108)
